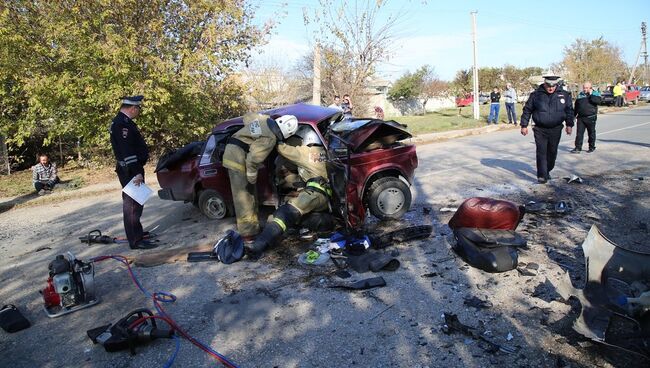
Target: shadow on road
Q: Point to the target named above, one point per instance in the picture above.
(519, 168)
(624, 142)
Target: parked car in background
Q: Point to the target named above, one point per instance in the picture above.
(369, 165)
(644, 94)
(631, 95)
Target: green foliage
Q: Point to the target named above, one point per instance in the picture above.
(490, 77)
(409, 85)
(597, 61)
(65, 65)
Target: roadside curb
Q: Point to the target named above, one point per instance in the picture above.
(442, 136)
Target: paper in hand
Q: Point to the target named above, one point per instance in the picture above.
(140, 193)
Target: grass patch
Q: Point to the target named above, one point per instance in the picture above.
(450, 119)
(75, 177)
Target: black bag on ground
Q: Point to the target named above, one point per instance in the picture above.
(490, 259)
(491, 238)
(11, 320)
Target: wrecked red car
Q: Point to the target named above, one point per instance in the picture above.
(368, 164)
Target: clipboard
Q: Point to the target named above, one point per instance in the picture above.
(140, 193)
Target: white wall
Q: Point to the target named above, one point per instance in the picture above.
(408, 106)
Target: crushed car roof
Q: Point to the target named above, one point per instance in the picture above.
(304, 112)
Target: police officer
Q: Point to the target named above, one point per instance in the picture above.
(245, 152)
(586, 112)
(549, 107)
(131, 153)
(310, 158)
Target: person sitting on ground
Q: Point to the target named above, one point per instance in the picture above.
(44, 175)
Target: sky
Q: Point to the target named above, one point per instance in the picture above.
(438, 33)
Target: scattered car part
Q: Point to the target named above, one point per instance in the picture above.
(70, 286)
(487, 213)
(453, 325)
(400, 236)
(611, 272)
(549, 208)
(373, 261)
(364, 284)
(487, 257)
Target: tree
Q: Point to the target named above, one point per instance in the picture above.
(65, 64)
(354, 37)
(423, 85)
(597, 61)
(269, 84)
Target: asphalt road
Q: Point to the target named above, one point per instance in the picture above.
(504, 161)
(276, 314)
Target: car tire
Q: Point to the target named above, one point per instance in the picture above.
(212, 205)
(388, 198)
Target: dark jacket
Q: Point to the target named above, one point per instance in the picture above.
(548, 110)
(495, 97)
(129, 147)
(587, 105)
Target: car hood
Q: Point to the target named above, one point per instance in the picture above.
(369, 134)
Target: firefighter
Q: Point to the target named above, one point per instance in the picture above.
(245, 152)
(131, 153)
(310, 158)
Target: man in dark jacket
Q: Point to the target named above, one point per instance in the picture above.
(586, 111)
(131, 154)
(549, 107)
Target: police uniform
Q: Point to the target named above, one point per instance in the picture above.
(131, 154)
(310, 161)
(548, 112)
(245, 152)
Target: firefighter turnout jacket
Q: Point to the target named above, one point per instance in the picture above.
(250, 146)
(130, 149)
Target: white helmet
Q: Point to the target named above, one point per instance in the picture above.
(288, 125)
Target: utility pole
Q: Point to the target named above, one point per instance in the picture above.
(475, 68)
(643, 52)
(315, 100)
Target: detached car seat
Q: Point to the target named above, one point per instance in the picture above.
(485, 236)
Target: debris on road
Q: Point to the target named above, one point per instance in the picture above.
(614, 277)
(573, 179)
(453, 325)
(477, 303)
(364, 284)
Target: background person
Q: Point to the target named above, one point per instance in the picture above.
(586, 111)
(44, 175)
(549, 107)
(510, 98)
(618, 94)
(346, 105)
(336, 104)
(131, 153)
(495, 97)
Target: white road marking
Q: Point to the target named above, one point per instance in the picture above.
(568, 138)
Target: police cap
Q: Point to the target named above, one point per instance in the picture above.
(132, 100)
(551, 79)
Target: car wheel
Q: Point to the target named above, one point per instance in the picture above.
(212, 205)
(389, 198)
